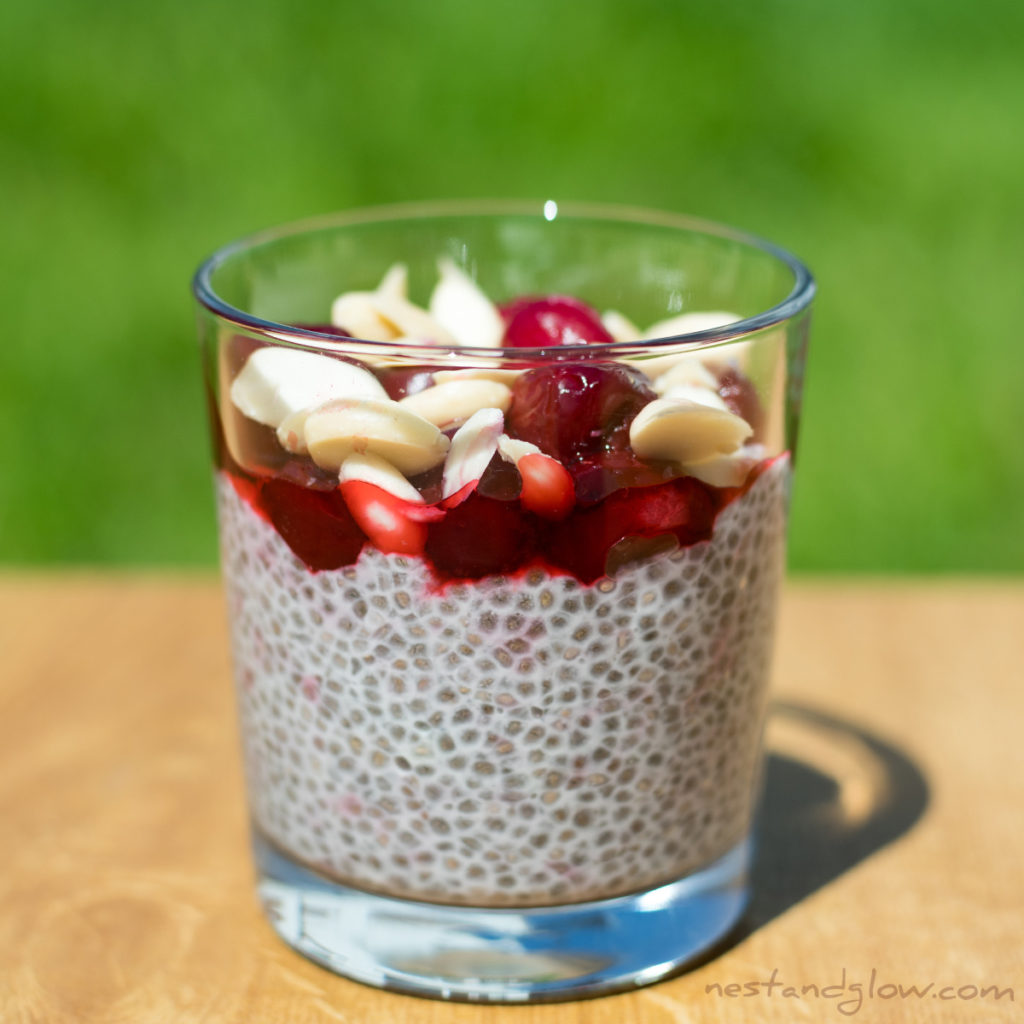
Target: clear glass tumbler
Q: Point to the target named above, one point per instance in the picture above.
(501, 570)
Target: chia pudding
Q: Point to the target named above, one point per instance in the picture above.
(502, 633)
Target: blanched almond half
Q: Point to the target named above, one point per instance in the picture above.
(679, 430)
(410, 320)
(277, 382)
(386, 313)
(345, 427)
(473, 447)
(495, 373)
(395, 281)
(458, 304)
(372, 469)
(512, 449)
(689, 323)
(620, 327)
(700, 395)
(291, 434)
(687, 371)
(735, 354)
(655, 367)
(726, 470)
(357, 313)
(451, 404)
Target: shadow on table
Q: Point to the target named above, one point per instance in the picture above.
(833, 795)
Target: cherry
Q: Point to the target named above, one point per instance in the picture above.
(684, 507)
(481, 536)
(740, 396)
(552, 320)
(500, 480)
(316, 525)
(572, 410)
(599, 475)
(400, 381)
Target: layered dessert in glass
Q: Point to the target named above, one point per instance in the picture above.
(501, 570)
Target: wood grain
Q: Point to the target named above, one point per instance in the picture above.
(896, 786)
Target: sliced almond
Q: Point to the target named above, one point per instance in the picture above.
(277, 382)
(690, 323)
(459, 305)
(512, 450)
(700, 395)
(726, 470)
(686, 371)
(451, 404)
(358, 313)
(473, 447)
(395, 281)
(410, 320)
(374, 470)
(620, 327)
(678, 430)
(654, 367)
(495, 373)
(291, 434)
(686, 323)
(386, 313)
(735, 354)
(345, 427)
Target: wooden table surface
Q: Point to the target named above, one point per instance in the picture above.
(893, 854)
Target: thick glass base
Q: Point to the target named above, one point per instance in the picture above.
(473, 954)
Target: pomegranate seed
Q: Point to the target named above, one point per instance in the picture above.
(387, 521)
(547, 486)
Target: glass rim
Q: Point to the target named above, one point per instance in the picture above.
(798, 299)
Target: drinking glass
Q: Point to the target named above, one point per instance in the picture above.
(502, 698)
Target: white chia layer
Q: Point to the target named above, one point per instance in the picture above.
(516, 741)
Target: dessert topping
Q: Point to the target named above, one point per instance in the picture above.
(472, 449)
(727, 470)
(343, 427)
(384, 518)
(458, 304)
(682, 431)
(372, 469)
(386, 313)
(620, 327)
(452, 403)
(548, 488)
(690, 323)
(552, 320)
(277, 382)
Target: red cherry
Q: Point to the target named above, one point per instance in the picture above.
(479, 537)
(572, 410)
(599, 475)
(684, 507)
(316, 525)
(552, 320)
(547, 487)
(740, 395)
(400, 381)
(500, 480)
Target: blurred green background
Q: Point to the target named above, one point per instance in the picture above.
(880, 141)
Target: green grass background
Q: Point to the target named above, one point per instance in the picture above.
(880, 140)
